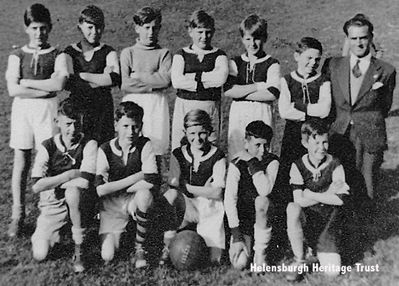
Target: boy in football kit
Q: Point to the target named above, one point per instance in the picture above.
(64, 166)
(126, 180)
(196, 180)
(319, 189)
(34, 73)
(250, 179)
(253, 82)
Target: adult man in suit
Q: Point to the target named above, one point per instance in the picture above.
(362, 90)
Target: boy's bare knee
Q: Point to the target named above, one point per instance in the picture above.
(261, 204)
(108, 247)
(72, 196)
(293, 210)
(171, 196)
(143, 199)
(40, 249)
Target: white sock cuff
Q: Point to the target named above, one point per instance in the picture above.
(78, 234)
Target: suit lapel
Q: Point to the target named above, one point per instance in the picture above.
(343, 78)
(368, 79)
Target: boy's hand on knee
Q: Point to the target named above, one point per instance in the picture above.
(338, 187)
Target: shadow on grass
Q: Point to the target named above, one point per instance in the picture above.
(366, 221)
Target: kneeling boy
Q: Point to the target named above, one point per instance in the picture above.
(126, 179)
(64, 166)
(318, 183)
(250, 179)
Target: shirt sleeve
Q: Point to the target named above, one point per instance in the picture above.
(112, 61)
(13, 68)
(149, 164)
(102, 168)
(296, 179)
(231, 195)
(180, 80)
(219, 173)
(218, 76)
(273, 79)
(338, 174)
(40, 166)
(322, 107)
(60, 65)
(286, 107)
(88, 166)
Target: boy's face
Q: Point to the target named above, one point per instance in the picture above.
(317, 147)
(256, 147)
(128, 130)
(197, 136)
(70, 128)
(359, 40)
(91, 32)
(253, 45)
(38, 34)
(308, 61)
(201, 37)
(148, 33)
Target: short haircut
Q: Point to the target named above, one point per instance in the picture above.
(313, 127)
(259, 129)
(70, 109)
(93, 15)
(198, 117)
(308, 43)
(358, 20)
(130, 110)
(201, 19)
(37, 13)
(146, 15)
(255, 26)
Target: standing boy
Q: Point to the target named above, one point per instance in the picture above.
(362, 90)
(253, 83)
(64, 166)
(250, 179)
(34, 73)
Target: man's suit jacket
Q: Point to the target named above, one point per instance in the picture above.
(367, 114)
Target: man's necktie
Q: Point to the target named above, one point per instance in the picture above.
(356, 70)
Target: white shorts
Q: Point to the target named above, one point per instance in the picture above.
(209, 215)
(182, 106)
(53, 216)
(32, 121)
(155, 120)
(114, 214)
(241, 114)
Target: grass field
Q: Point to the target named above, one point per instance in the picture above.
(288, 20)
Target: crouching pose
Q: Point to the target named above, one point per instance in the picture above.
(126, 179)
(318, 183)
(64, 166)
(250, 180)
(196, 180)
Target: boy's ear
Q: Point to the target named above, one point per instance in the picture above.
(296, 55)
(304, 143)
(136, 28)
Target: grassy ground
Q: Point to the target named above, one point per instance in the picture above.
(288, 21)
